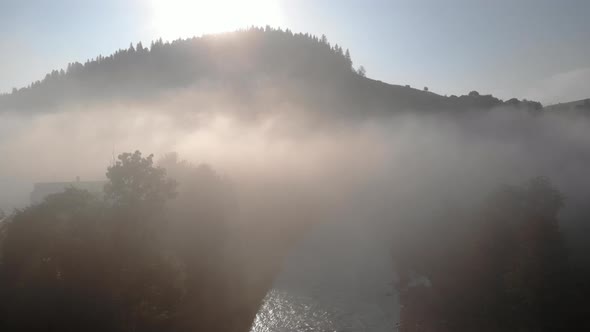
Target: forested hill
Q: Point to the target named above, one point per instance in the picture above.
(308, 69)
(572, 106)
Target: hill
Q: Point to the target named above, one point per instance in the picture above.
(309, 70)
(575, 106)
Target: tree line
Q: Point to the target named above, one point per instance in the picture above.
(504, 266)
(139, 71)
(157, 251)
(310, 71)
(150, 253)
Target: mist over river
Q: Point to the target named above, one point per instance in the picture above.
(338, 278)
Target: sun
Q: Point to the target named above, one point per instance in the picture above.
(172, 19)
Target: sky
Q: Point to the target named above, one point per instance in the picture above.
(534, 49)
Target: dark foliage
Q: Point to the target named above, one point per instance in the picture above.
(149, 256)
(312, 73)
(161, 249)
(139, 72)
(503, 268)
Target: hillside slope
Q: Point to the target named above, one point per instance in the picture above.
(309, 71)
(578, 105)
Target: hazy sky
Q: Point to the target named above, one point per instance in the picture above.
(536, 49)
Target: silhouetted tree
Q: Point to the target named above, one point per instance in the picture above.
(348, 58)
(139, 72)
(80, 263)
(134, 181)
(151, 254)
(362, 71)
(311, 72)
(505, 270)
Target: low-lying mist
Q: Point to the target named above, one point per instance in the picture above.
(291, 168)
(385, 159)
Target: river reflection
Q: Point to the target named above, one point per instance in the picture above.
(339, 278)
(284, 312)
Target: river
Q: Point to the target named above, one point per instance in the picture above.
(339, 278)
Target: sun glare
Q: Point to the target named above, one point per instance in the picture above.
(172, 19)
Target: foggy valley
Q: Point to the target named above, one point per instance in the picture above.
(261, 180)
